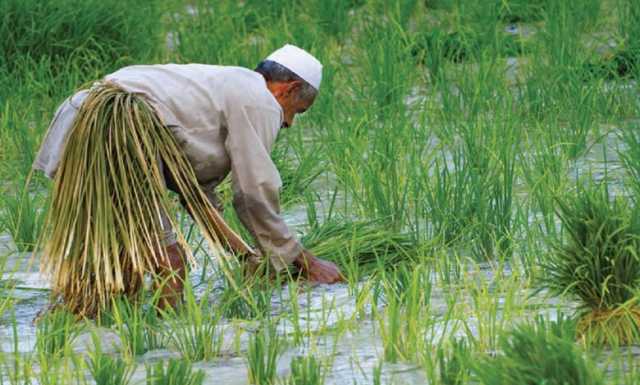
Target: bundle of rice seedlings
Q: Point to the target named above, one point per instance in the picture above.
(364, 243)
(176, 372)
(598, 264)
(102, 233)
(542, 352)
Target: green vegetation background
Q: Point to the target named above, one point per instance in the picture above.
(462, 126)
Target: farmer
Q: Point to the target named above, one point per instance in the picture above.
(101, 150)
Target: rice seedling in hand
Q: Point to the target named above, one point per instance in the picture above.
(305, 370)
(55, 332)
(105, 369)
(598, 264)
(263, 352)
(175, 372)
(543, 352)
(194, 328)
(367, 243)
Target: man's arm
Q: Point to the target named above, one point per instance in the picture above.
(256, 186)
(256, 182)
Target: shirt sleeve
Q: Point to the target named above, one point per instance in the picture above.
(52, 147)
(256, 181)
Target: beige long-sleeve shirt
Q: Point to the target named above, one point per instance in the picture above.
(225, 120)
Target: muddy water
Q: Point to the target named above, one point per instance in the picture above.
(352, 355)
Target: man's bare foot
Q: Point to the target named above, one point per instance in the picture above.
(317, 270)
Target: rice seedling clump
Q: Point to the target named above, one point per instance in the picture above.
(598, 264)
(55, 332)
(175, 372)
(542, 352)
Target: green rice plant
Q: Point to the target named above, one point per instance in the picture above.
(542, 352)
(405, 318)
(305, 370)
(16, 371)
(139, 328)
(468, 197)
(211, 31)
(194, 329)
(16, 368)
(618, 64)
(620, 366)
(385, 62)
(515, 11)
(454, 362)
(298, 165)
(23, 215)
(627, 57)
(630, 158)
(544, 169)
(554, 87)
(60, 371)
(437, 47)
(176, 372)
(598, 264)
(55, 332)
(19, 123)
(265, 347)
(493, 304)
(105, 369)
(246, 294)
(62, 30)
(332, 16)
(51, 372)
(366, 243)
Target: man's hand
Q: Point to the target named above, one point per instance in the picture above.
(318, 270)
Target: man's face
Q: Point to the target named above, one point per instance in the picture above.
(287, 94)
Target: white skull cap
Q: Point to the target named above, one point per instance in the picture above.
(300, 62)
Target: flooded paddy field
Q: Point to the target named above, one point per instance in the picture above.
(472, 167)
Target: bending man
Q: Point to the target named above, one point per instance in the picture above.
(110, 149)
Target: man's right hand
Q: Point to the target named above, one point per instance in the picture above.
(317, 270)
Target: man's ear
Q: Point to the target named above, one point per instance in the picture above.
(293, 87)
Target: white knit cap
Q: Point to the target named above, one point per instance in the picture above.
(300, 62)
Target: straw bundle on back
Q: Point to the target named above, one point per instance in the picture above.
(103, 230)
